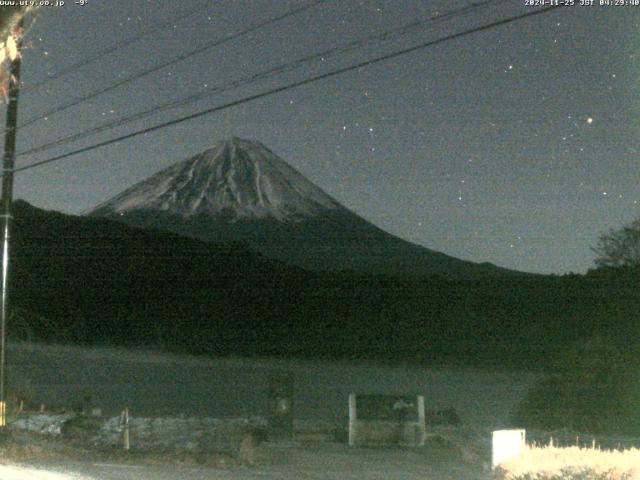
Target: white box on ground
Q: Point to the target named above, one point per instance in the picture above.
(506, 444)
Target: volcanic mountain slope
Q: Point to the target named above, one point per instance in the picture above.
(241, 191)
(91, 280)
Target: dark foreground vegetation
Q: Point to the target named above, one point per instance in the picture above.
(93, 281)
(593, 386)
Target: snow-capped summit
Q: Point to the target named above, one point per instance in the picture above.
(240, 191)
(236, 179)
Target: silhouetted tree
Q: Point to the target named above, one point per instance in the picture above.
(619, 248)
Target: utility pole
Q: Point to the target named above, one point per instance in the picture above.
(5, 203)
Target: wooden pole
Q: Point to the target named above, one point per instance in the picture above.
(124, 418)
(5, 202)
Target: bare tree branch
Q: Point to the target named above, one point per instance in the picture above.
(619, 248)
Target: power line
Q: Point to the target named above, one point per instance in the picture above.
(274, 71)
(290, 86)
(173, 61)
(108, 51)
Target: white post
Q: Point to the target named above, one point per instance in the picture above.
(422, 425)
(352, 420)
(124, 420)
(506, 444)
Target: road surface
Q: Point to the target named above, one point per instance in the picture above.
(321, 461)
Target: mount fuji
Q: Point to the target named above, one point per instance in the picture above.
(240, 191)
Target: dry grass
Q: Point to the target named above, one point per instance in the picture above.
(21, 446)
(571, 463)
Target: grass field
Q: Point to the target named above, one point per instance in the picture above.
(153, 384)
(158, 384)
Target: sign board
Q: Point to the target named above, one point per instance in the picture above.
(386, 420)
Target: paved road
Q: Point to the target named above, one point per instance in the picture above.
(312, 462)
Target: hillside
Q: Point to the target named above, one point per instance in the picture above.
(88, 280)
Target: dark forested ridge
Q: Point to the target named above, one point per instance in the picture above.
(89, 280)
(331, 241)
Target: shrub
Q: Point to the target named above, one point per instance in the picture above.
(594, 387)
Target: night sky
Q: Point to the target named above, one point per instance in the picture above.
(517, 145)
